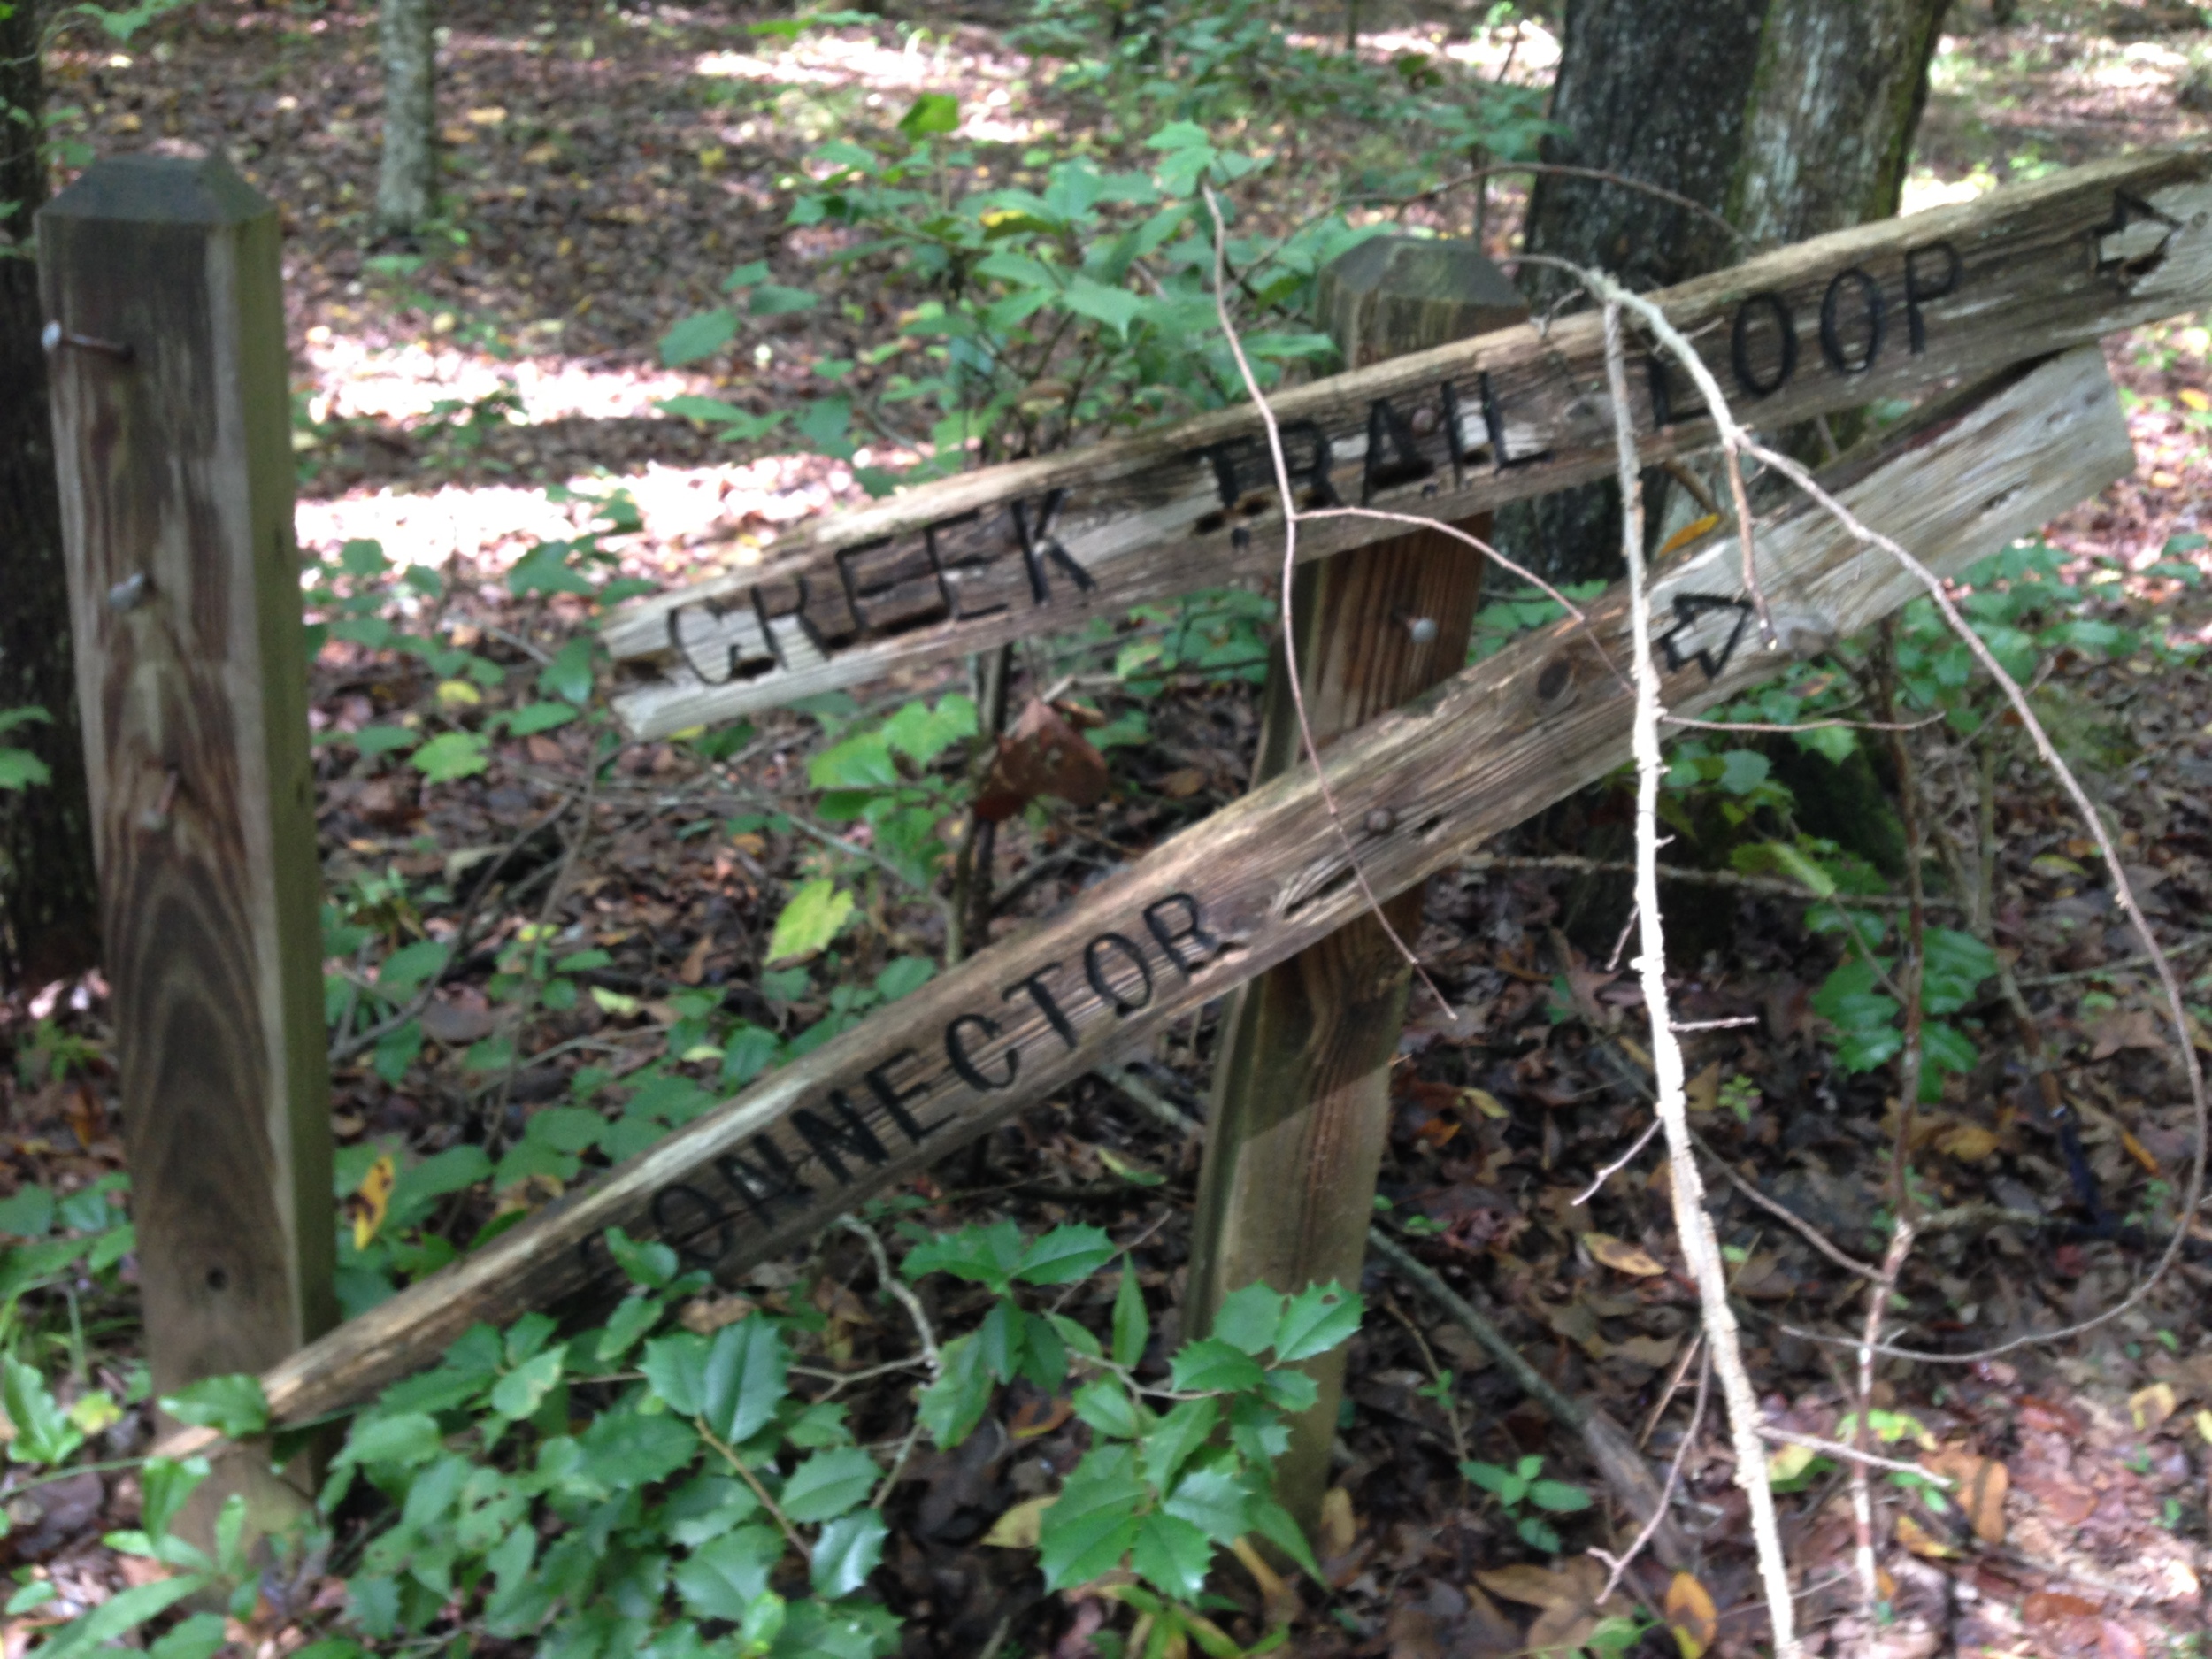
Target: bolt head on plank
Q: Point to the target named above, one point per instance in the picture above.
(1396, 293)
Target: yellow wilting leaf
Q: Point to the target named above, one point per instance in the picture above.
(372, 1200)
(1340, 1526)
(1688, 534)
(1789, 1460)
(1920, 1541)
(1980, 1484)
(1018, 1528)
(1702, 1091)
(1691, 1615)
(2152, 1406)
(458, 693)
(2204, 1427)
(1531, 1585)
(2195, 399)
(2161, 478)
(2137, 1150)
(1622, 1256)
(1970, 1143)
(1484, 1101)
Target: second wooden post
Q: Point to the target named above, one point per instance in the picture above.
(1300, 1110)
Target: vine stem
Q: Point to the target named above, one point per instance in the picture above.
(730, 1456)
(1701, 1248)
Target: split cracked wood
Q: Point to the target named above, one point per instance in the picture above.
(1252, 883)
(1887, 310)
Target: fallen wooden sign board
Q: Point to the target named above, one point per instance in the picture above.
(1881, 310)
(1254, 883)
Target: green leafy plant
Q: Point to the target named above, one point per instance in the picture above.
(1522, 1492)
(19, 768)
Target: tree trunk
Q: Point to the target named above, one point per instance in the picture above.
(1792, 116)
(1833, 107)
(49, 896)
(1652, 90)
(407, 186)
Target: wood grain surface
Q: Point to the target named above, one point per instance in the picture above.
(176, 482)
(1888, 309)
(1253, 885)
(1300, 1110)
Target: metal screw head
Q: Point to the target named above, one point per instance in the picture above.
(50, 336)
(1381, 821)
(128, 594)
(1422, 629)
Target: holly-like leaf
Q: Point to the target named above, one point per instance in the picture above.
(1171, 1555)
(847, 1552)
(1316, 1319)
(1065, 1255)
(1093, 1523)
(1248, 1319)
(743, 1381)
(725, 1577)
(1211, 1366)
(828, 1483)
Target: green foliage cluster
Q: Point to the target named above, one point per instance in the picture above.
(2023, 607)
(643, 1488)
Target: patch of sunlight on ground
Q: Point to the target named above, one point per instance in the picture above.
(400, 384)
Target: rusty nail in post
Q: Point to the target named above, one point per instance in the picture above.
(128, 594)
(55, 337)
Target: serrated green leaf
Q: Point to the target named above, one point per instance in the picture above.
(828, 1483)
(1091, 1525)
(1211, 1366)
(1247, 1317)
(1064, 1255)
(847, 1552)
(1171, 1555)
(1212, 1498)
(1106, 1406)
(1316, 1319)
(1176, 1438)
(726, 1576)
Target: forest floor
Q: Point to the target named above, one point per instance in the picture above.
(609, 169)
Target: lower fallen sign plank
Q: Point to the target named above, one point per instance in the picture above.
(1256, 882)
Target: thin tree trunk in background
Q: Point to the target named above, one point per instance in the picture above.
(1834, 105)
(407, 185)
(1654, 91)
(49, 896)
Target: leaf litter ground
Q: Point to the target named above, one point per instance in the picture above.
(613, 168)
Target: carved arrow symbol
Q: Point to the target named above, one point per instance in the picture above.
(2134, 239)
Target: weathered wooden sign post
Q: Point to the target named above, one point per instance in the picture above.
(1255, 884)
(1301, 1106)
(165, 341)
(1889, 310)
